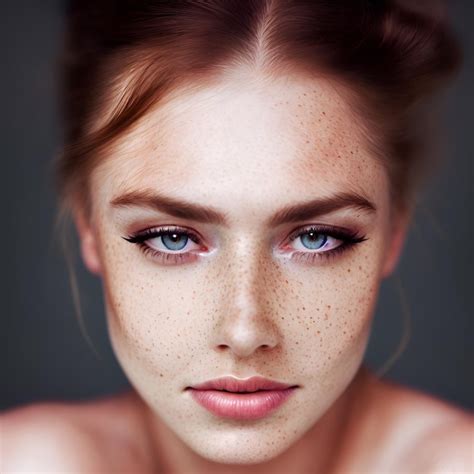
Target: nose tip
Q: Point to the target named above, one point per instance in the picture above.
(246, 337)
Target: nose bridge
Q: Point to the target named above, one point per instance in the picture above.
(245, 323)
(246, 279)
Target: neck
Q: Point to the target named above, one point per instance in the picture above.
(315, 451)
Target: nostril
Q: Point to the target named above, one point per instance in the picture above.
(222, 347)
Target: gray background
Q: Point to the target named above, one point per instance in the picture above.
(46, 357)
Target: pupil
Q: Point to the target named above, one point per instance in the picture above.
(174, 241)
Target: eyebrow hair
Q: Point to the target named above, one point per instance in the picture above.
(170, 205)
(206, 214)
(321, 206)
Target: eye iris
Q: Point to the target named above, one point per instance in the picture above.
(174, 241)
(313, 240)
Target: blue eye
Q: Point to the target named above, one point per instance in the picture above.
(174, 241)
(313, 240)
(321, 242)
(166, 244)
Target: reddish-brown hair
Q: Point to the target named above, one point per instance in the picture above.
(122, 57)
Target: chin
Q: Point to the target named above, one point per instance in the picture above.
(245, 445)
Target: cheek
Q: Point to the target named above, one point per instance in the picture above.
(151, 313)
(331, 309)
(161, 319)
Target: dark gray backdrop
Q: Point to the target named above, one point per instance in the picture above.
(45, 355)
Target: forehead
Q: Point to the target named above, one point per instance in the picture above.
(245, 140)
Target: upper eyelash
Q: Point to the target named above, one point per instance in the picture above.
(348, 238)
(337, 232)
(151, 233)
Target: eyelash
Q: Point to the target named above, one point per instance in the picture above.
(349, 240)
(167, 258)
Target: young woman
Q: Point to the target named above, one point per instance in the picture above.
(242, 176)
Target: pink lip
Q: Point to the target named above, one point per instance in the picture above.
(248, 399)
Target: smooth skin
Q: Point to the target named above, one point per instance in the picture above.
(248, 297)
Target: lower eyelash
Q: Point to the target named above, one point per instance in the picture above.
(165, 257)
(349, 240)
(311, 257)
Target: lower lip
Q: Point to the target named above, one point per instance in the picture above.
(241, 406)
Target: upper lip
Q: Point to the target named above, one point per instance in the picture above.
(232, 384)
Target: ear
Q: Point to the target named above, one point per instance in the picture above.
(88, 242)
(397, 237)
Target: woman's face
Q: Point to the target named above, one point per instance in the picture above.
(239, 285)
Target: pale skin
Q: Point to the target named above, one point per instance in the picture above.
(242, 302)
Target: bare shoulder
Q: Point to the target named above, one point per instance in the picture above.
(432, 435)
(92, 436)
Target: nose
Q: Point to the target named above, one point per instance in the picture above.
(245, 326)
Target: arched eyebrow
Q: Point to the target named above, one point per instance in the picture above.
(208, 215)
(321, 206)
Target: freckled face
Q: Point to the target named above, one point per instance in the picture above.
(247, 294)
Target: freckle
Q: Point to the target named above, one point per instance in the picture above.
(161, 375)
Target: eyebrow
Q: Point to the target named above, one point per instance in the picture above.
(209, 215)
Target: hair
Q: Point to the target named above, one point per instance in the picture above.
(122, 57)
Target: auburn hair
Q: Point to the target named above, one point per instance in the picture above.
(121, 57)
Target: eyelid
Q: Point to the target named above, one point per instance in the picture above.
(347, 237)
(166, 257)
(334, 231)
(141, 237)
(152, 232)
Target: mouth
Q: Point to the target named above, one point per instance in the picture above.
(241, 399)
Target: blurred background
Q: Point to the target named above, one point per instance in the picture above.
(45, 356)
